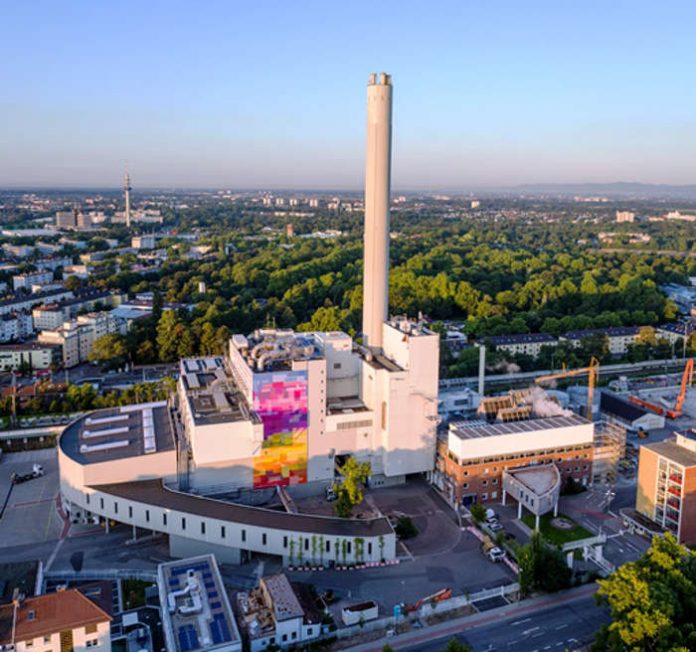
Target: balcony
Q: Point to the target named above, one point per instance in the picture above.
(673, 503)
(675, 492)
(675, 478)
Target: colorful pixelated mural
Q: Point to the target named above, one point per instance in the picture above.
(280, 400)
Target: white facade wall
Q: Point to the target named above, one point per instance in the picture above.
(527, 348)
(219, 442)
(18, 327)
(77, 337)
(618, 344)
(100, 641)
(239, 536)
(54, 263)
(519, 442)
(68, 339)
(342, 364)
(76, 476)
(668, 335)
(48, 320)
(303, 633)
(40, 358)
(411, 401)
(242, 374)
(25, 281)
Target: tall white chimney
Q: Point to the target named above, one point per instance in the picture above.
(377, 188)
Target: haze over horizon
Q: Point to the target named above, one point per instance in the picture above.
(272, 96)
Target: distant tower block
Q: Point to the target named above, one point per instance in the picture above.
(377, 188)
(126, 190)
(289, 230)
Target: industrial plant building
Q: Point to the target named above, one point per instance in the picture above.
(279, 413)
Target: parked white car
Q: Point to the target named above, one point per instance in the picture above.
(496, 554)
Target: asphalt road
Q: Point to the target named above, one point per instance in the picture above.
(556, 623)
(557, 628)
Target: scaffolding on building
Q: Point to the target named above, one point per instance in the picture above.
(609, 450)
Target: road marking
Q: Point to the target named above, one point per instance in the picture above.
(529, 631)
(29, 503)
(561, 627)
(519, 622)
(52, 558)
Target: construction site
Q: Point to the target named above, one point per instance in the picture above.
(665, 395)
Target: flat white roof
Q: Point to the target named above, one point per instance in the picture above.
(474, 430)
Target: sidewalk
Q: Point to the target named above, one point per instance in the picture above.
(455, 626)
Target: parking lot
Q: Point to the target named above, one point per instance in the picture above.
(30, 516)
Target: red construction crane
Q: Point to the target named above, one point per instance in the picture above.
(676, 412)
(687, 380)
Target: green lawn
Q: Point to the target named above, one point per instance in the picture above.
(554, 535)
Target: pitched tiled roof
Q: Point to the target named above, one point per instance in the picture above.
(52, 613)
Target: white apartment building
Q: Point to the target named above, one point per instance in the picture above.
(18, 251)
(527, 343)
(59, 308)
(32, 354)
(625, 216)
(143, 242)
(53, 263)
(77, 337)
(619, 337)
(15, 326)
(55, 622)
(48, 316)
(674, 332)
(25, 281)
(19, 302)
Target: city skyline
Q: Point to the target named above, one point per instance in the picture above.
(249, 96)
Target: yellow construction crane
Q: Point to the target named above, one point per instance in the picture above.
(592, 372)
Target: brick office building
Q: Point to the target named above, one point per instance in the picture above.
(472, 456)
(667, 485)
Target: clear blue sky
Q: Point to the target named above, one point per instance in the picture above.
(272, 93)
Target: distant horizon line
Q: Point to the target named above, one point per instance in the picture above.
(563, 187)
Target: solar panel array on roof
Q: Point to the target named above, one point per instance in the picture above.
(192, 631)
